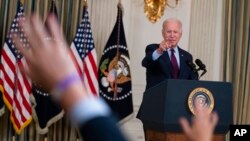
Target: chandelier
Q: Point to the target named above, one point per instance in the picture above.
(154, 9)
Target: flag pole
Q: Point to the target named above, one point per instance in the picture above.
(85, 7)
(119, 5)
(53, 6)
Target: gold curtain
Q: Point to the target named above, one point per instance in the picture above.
(69, 14)
(237, 56)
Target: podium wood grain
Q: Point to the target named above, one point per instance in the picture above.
(167, 136)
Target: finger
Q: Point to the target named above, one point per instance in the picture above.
(214, 119)
(161, 48)
(28, 29)
(37, 33)
(164, 47)
(53, 27)
(197, 107)
(24, 68)
(166, 44)
(38, 26)
(25, 51)
(185, 126)
(202, 112)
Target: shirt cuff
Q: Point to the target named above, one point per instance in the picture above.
(86, 109)
(155, 55)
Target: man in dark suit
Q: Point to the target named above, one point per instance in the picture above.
(167, 60)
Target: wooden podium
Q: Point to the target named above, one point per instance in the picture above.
(167, 136)
(165, 103)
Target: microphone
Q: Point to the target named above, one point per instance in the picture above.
(201, 66)
(193, 67)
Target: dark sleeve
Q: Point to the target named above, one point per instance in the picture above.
(147, 61)
(101, 129)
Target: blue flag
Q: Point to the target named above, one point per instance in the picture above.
(114, 72)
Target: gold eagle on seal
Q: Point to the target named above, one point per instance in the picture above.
(118, 73)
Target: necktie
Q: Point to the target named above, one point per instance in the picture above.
(175, 69)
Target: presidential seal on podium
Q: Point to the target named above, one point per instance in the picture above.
(204, 96)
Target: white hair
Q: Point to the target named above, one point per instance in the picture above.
(172, 20)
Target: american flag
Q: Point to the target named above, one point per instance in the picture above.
(15, 86)
(84, 53)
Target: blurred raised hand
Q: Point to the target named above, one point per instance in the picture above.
(48, 54)
(202, 125)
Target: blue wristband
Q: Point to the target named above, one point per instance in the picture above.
(63, 85)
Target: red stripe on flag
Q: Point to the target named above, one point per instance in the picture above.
(93, 64)
(76, 64)
(8, 98)
(24, 101)
(16, 122)
(8, 80)
(90, 83)
(19, 109)
(8, 61)
(25, 80)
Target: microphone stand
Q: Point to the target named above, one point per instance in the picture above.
(193, 67)
(197, 77)
(204, 71)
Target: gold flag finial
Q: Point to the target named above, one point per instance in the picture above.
(119, 4)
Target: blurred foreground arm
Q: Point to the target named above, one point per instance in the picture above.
(50, 65)
(202, 125)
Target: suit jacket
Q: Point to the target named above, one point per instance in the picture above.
(160, 69)
(101, 129)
